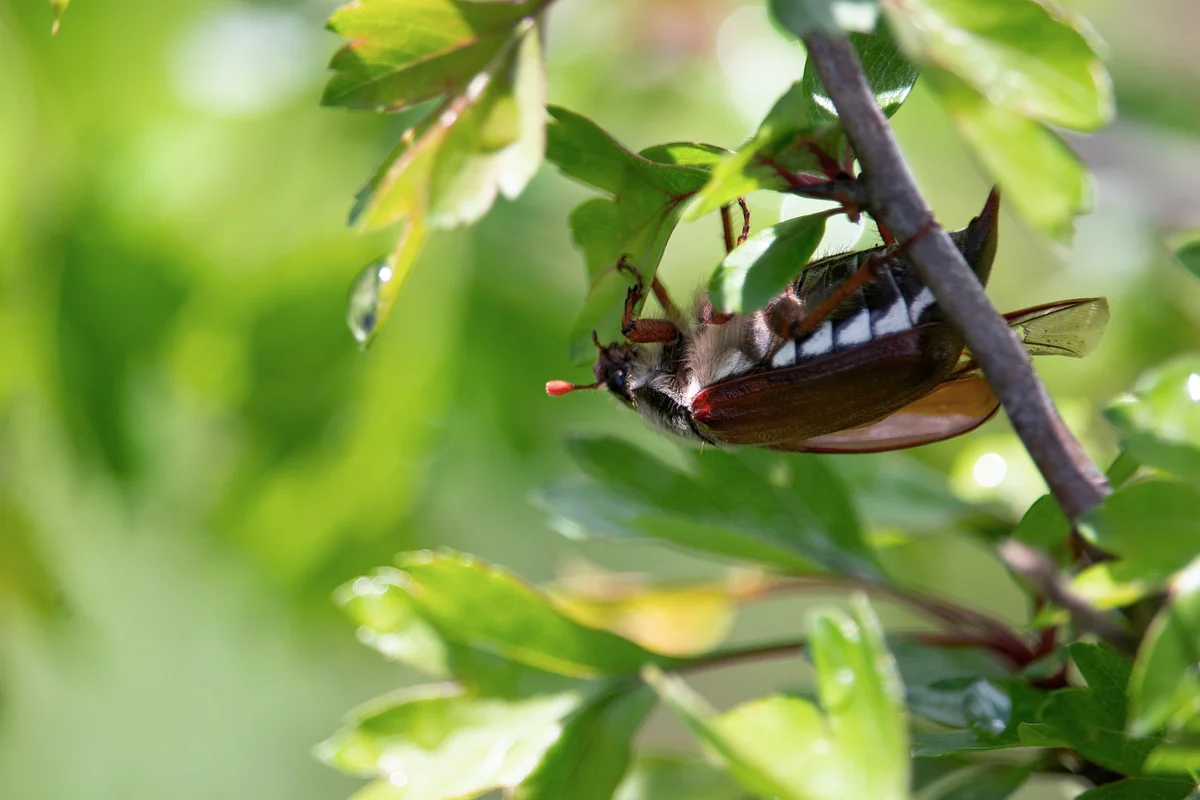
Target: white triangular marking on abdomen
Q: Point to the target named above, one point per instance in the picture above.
(922, 301)
(856, 330)
(819, 342)
(786, 355)
(896, 319)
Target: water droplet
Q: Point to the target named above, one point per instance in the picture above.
(837, 692)
(366, 308)
(361, 586)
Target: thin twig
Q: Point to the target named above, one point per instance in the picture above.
(1043, 576)
(895, 200)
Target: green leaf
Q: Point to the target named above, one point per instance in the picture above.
(1115, 584)
(785, 747)
(485, 139)
(990, 713)
(1044, 524)
(763, 265)
(675, 778)
(401, 53)
(1165, 686)
(1188, 254)
(59, 7)
(1026, 56)
(989, 783)
(590, 757)
(725, 504)
(646, 197)
(435, 742)
(800, 141)
(1159, 420)
(1038, 173)
(831, 17)
(488, 608)
(1153, 525)
(1142, 789)
(1092, 721)
(1175, 759)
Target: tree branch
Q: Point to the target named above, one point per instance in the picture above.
(1041, 574)
(895, 201)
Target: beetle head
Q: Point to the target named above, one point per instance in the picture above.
(612, 370)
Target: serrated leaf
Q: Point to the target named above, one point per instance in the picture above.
(726, 504)
(435, 742)
(645, 200)
(675, 778)
(1092, 721)
(590, 757)
(401, 53)
(800, 140)
(754, 273)
(830, 17)
(485, 139)
(489, 608)
(1041, 178)
(1142, 789)
(1152, 525)
(1025, 56)
(1164, 690)
(1159, 419)
(786, 747)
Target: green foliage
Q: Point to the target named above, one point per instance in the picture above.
(1002, 70)
(647, 192)
(481, 66)
(801, 141)
(59, 7)
(565, 687)
(760, 269)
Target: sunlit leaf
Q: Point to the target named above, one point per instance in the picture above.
(435, 742)
(761, 267)
(1165, 687)
(723, 505)
(590, 757)
(854, 745)
(675, 778)
(1113, 584)
(1044, 524)
(1159, 418)
(488, 608)
(401, 53)
(1039, 175)
(1027, 57)
(645, 199)
(1154, 525)
(800, 141)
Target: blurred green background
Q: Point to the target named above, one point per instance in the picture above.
(193, 453)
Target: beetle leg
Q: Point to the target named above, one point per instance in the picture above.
(727, 225)
(645, 331)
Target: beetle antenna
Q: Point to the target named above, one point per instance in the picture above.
(559, 388)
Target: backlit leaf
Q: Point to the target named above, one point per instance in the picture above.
(1154, 525)
(435, 742)
(59, 7)
(763, 265)
(1039, 175)
(1159, 419)
(645, 199)
(488, 608)
(854, 745)
(800, 141)
(1165, 687)
(590, 757)
(1027, 57)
